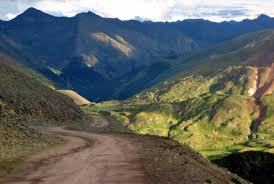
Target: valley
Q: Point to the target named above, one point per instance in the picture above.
(35, 147)
(88, 99)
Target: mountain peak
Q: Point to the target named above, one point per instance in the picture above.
(32, 14)
(88, 14)
(263, 17)
(33, 11)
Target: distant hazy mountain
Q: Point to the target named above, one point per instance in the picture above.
(104, 58)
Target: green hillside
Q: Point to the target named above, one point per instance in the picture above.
(220, 104)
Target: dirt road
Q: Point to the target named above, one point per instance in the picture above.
(112, 158)
(87, 159)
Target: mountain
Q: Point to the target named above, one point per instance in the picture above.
(220, 103)
(209, 33)
(104, 58)
(90, 51)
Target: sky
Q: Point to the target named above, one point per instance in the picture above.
(154, 10)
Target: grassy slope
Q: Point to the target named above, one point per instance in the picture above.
(208, 106)
(266, 130)
(25, 101)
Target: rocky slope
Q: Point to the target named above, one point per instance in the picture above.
(25, 101)
(27, 97)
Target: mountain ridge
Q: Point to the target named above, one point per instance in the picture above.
(105, 58)
(35, 10)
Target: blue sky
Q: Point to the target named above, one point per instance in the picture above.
(155, 10)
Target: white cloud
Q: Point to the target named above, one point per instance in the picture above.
(221, 10)
(123, 9)
(10, 16)
(156, 10)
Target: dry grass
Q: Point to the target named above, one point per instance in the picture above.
(79, 100)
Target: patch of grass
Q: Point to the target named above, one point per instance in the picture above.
(214, 122)
(177, 90)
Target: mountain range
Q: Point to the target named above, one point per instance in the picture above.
(204, 84)
(104, 58)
